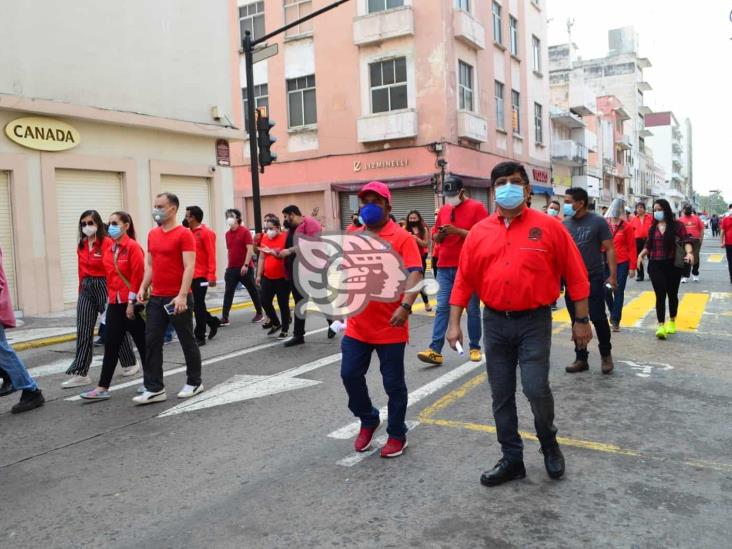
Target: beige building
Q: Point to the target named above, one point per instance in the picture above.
(102, 107)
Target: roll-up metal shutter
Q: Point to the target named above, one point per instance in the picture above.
(6, 235)
(420, 198)
(480, 194)
(76, 192)
(191, 191)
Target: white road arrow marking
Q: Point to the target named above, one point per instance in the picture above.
(246, 387)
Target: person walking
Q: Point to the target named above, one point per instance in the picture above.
(124, 263)
(240, 267)
(169, 268)
(695, 231)
(435, 247)
(514, 260)
(381, 327)
(204, 277)
(454, 220)
(665, 236)
(592, 235)
(421, 233)
(93, 242)
(714, 224)
(626, 258)
(725, 231)
(554, 209)
(640, 222)
(14, 373)
(272, 279)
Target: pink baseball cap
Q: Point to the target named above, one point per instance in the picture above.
(376, 187)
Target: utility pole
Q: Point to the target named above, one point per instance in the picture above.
(248, 46)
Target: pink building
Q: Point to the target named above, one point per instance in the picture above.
(386, 89)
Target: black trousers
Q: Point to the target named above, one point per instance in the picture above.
(666, 279)
(232, 277)
(729, 260)
(598, 316)
(203, 317)
(434, 267)
(425, 297)
(688, 268)
(279, 287)
(640, 243)
(299, 330)
(157, 322)
(118, 326)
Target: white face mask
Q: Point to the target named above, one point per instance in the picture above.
(452, 200)
(89, 230)
(272, 234)
(231, 222)
(553, 212)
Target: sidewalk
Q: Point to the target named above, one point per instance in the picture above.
(54, 328)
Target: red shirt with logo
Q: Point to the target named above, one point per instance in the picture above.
(694, 226)
(166, 250)
(237, 241)
(372, 325)
(518, 267)
(91, 260)
(641, 225)
(463, 216)
(131, 263)
(624, 242)
(726, 228)
(205, 253)
(274, 268)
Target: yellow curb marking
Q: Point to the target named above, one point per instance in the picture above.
(691, 310)
(715, 258)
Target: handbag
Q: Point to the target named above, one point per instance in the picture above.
(679, 254)
(139, 308)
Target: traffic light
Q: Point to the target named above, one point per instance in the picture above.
(264, 139)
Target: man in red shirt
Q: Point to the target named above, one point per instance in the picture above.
(515, 260)
(381, 327)
(453, 223)
(641, 223)
(240, 267)
(204, 276)
(695, 229)
(169, 268)
(726, 239)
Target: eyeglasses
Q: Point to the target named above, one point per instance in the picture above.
(87, 224)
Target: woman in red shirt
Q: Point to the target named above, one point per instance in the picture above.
(272, 280)
(625, 253)
(421, 233)
(124, 265)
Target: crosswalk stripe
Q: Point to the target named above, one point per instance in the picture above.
(635, 311)
(691, 310)
(715, 258)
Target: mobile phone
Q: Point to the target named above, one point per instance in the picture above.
(169, 308)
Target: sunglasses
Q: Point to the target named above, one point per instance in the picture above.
(87, 224)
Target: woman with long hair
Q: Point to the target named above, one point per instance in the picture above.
(625, 255)
(665, 234)
(421, 233)
(124, 263)
(93, 241)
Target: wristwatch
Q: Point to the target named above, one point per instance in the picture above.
(407, 307)
(582, 319)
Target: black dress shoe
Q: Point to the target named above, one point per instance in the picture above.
(294, 341)
(6, 389)
(28, 401)
(553, 460)
(331, 333)
(201, 342)
(504, 471)
(213, 328)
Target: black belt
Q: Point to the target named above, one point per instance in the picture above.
(515, 314)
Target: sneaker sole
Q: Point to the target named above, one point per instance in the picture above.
(130, 374)
(153, 400)
(75, 385)
(429, 361)
(198, 391)
(365, 448)
(396, 454)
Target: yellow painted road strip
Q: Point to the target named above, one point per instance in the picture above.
(691, 310)
(635, 311)
(714, 258)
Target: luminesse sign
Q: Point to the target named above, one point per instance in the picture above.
(42, 134)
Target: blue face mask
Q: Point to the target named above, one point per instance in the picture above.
(509, 196)
(372, 214)
(658, 216)
(568, 210)
(114, 231)
(553, 212)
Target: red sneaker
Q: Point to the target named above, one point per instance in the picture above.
(393, 448)
(365, 436)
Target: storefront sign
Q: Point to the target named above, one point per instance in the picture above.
(540, 176)
(359, 166)
(42, 134)
(222, 153)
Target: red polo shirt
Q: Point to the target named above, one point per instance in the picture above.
(726, 228)
(519, 267)
(694, 226)
(463, 216)
(166, 250)
(372, 325)
(130, 262)
(624, 242)
(237, 241)
(91, 261)
(274, 268)
(641, 225)
(205, 253)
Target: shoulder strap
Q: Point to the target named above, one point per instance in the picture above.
(116, 266)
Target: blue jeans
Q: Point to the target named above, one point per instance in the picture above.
(355, 364)
(13, 366)
(446, 280)
(616, 299)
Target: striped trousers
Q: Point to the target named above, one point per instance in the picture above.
(92, 302)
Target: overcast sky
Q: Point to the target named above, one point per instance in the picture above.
(690, 47)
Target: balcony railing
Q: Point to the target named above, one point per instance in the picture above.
(468, 30)
(378, 27)
(568, 153)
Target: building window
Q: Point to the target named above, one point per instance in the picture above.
(383, 5)
(497, 30)
(516, 111)
(462, 5)
(261, 99)
(536, 53)
(538, 124)
(500, 109)
(513, 26)
(301, 108)
(251, 18)
(294, 10)
(465, 86)
(388, 85)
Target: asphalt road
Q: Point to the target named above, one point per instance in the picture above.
(649, 450)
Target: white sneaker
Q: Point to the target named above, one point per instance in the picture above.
(76, 381)
(128, 371)
(684, 280)
(695, 278)
(190, 390)
(148, 397)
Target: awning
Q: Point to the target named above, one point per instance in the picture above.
(472, 181)
(541, 189)
(401, 183)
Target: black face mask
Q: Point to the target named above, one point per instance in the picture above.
(286, 224)
(185, 223)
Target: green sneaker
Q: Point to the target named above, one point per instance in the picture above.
(661, 332)
(671, 327)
